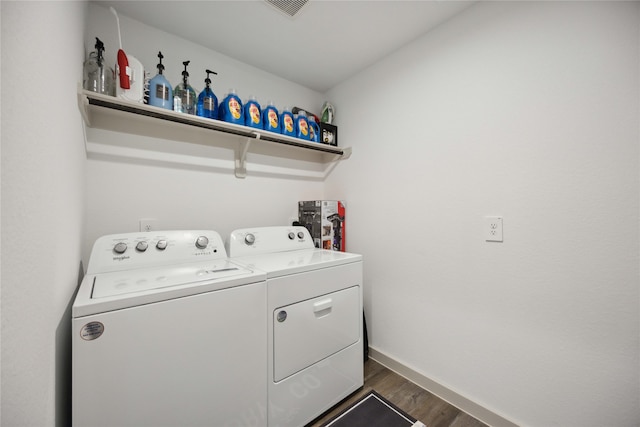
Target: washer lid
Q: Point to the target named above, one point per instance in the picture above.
(291, 262)
(100, 293)
(124, 282)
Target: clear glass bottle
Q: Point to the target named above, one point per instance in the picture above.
(96, 76)
(186, 93)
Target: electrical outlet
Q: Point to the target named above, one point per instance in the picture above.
(493, 228)
(148, 224)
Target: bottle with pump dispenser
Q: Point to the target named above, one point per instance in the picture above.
(96, 76)
(287, 125)
(207, 105)
(186, 93)
(231, 110)
(160, 92)
(270, 118)
(302, 126)
(252, 113)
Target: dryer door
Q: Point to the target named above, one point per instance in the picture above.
(309, 331)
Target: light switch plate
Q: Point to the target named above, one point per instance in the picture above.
(493, 228)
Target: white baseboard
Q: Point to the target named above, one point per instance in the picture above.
(479, 412)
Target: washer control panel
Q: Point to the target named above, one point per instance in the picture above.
(261, 240)
(146, 249)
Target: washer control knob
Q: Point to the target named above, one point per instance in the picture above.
(120, 248)
(292, 236)
(250, 239)
(202, 242)
(161, 245)
(300, 235)
(142, 246)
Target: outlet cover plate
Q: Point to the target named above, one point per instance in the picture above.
(148, 224)
(493, 228)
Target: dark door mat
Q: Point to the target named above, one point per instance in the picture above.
(373, 410)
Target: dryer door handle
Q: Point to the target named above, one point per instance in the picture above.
(322, 307)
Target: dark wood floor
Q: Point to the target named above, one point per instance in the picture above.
(417, 402)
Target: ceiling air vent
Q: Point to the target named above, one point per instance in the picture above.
(288, 7)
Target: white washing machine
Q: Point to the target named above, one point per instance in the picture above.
(314, 305)
(168, 332)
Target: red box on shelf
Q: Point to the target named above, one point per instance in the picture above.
(325, 220)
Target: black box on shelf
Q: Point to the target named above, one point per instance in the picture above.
(328, 134)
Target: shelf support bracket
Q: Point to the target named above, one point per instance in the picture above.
(241, 157)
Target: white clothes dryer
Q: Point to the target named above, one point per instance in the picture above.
(168, 332)
(314, 305)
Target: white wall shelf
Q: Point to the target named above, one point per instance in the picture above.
(119, 115)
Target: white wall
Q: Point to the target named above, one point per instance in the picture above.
(530, 111)
(526, 110)
(42, 206)
(144, 42)
(120, 193)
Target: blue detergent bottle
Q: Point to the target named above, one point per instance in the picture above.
(221, 107)
(207, 105)
(160, 92)
(270, 118)
(314, 130)
(252, 113)
(232, 108)
(302, 126)
(287, 125)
